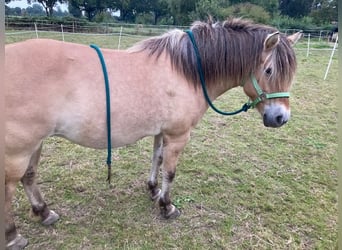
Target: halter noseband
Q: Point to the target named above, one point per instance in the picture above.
(262, 96)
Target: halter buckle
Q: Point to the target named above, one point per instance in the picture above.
(263, 96)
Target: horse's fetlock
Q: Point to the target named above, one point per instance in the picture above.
(37, 209)
(152, 185)
(41, 210)
(10, 232)
(170, 176)
(164, 201)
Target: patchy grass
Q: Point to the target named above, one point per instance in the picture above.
(239, 185)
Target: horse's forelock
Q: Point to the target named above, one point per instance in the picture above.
(283, 63)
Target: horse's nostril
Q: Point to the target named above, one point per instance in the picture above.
(280, 120)
(274, 121)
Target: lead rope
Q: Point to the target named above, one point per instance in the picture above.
(109, 141)
(244, 108)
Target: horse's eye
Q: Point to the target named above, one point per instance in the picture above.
(268, 71)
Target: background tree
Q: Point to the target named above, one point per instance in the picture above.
(16, 11)
(295, 8)
(250, 11)
(159, 9)
(35, 10)
(205, 8)
(271, 6)
(324, 11)
(74, 9)
(280, 13)
(180, 10)
(47, 4)
(90, 7)
(220, 9)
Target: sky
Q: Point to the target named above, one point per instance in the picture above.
(23, 4)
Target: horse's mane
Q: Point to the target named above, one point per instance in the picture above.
(229, 50)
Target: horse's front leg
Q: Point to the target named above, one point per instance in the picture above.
(157, 161)
(172, 147)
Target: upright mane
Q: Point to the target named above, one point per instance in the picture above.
(229, 50)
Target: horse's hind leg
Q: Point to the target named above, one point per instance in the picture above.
(39, 207)
(15, 166)
(13, 239)
(157, 161)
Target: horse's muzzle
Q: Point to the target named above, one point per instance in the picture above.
(275, 116)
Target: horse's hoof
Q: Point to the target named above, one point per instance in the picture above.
(171, 213)
(17, 244)
(52, 218)
(156, 196)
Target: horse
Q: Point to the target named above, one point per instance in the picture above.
(333, 35)
(56, 88)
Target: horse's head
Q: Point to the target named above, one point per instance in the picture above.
(268, 87)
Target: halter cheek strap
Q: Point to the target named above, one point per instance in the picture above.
(263, 96)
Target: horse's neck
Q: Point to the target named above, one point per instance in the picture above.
(219, 89)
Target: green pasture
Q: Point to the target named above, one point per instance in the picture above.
(238, 185)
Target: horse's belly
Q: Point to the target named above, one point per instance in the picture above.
(95, 134)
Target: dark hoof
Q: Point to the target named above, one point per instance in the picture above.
(170, 213)
(51, 219)
(18, 243)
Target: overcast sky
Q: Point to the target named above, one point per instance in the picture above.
(23, 4)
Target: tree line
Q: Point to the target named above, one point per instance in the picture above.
(179, 12)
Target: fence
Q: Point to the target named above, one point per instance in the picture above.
(87, 27)
(311, 40)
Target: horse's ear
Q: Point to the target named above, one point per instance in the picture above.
(293, 39)
(271, 41)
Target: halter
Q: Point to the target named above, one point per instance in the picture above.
(262, 96)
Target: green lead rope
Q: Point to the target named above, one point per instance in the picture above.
(109, 141)
(244, 108)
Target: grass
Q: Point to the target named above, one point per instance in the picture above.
(239, 185)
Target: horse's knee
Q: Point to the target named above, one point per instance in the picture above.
(29, 176)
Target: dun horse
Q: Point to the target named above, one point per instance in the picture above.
(57, 89)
